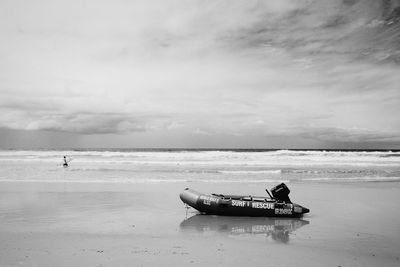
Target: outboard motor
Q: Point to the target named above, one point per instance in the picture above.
(281, 192)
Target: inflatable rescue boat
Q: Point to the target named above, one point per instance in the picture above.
(276, 205)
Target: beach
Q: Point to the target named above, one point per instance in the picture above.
(109, 110)
(121, 223)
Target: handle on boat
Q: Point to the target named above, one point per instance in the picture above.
(269, 193)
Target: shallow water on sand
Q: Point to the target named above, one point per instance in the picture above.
(349, 224)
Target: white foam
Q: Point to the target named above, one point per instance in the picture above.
(141, 181)
(354, 179)
(269, 158)
(202, 166)
(252, 172)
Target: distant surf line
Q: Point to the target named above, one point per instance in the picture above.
(212, 181)
(206, 150)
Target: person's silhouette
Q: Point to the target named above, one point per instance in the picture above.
(65, 164)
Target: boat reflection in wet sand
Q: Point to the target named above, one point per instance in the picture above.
(277, 229)
(277, 205)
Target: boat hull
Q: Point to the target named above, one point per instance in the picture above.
(240, 205)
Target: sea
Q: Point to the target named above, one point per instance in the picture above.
(200, 166)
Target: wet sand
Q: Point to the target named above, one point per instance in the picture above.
(78, 224)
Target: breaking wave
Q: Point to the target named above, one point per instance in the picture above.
(354, 179)
(144, 181)
(241, 172)
(211, 166)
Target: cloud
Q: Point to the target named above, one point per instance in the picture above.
(81, 123)
(348, 135)
(194, 67)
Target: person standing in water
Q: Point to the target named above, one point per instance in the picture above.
(65, 162)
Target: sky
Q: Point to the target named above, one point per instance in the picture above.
(200, 74)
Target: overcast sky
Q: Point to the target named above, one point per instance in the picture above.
(200, 73)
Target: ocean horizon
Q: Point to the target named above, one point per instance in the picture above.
(183, 149)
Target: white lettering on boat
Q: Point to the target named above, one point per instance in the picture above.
(238, 203)
(207, 200)
(261, 205)
(283, 211)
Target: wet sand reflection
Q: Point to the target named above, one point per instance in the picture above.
(278, 229)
